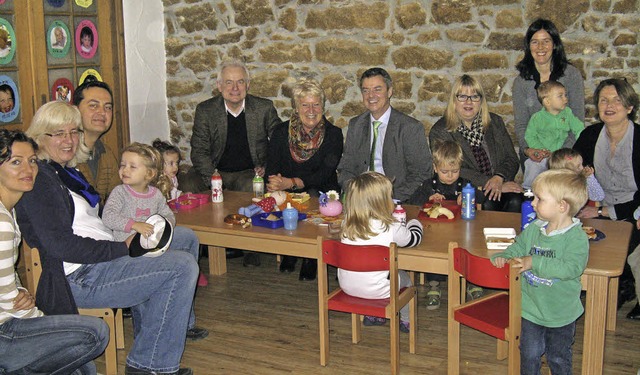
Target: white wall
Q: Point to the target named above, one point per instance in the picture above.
(146, 70)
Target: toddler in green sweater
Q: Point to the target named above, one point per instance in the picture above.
(551, 253)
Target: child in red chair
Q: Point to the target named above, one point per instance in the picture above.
(552, 253)
(368, 220)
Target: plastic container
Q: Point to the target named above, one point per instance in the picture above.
(216, 188)
(258, 187)
(260, 220)
(400, 214)
(528, 214)
(290, 217)
(468, 202)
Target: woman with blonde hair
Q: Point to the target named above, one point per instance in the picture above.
(303, 155)
(489, 159)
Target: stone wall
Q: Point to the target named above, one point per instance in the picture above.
(423, 44)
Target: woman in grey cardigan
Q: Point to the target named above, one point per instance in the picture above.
(489, 159)
(544, 60)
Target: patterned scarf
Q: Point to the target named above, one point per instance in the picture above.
(475, 135)
(303, 145)
(77, 183)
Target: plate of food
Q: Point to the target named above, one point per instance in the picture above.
(499, 238)
(440, 211)
(593, 234)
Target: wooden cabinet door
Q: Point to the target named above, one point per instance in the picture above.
(70, 40)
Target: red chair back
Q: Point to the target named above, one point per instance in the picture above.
(355, 257)
(479, 270)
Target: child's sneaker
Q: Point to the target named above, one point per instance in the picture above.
(433, 296)
(373, 321)
(404, 326)
(474, 291)
(202, 280)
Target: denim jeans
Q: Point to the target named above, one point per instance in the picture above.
(160, 290)
(536, 340)
(59, 344)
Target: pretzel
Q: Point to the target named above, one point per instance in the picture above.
(236, 219)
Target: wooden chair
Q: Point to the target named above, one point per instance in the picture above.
(496, 314)
(363, 258)
(114, 321)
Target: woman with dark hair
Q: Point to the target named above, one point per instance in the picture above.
(62, 344)
(612, 146)
(489, 159)
(544, 60)
(303, 155)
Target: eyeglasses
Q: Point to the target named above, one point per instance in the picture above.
(474, 98)
(60, 136)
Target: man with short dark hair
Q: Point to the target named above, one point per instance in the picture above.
(385, 140)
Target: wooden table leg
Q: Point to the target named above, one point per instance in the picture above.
(217, 260)
(594, 324)
(612, 304)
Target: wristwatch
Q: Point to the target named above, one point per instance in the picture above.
(293, 184)
(600, 211)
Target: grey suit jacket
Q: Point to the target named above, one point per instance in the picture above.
(210, 132)
(406, 157)
(497, 143)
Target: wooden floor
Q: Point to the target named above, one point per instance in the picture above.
(261, 321)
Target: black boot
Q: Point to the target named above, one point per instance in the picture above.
(288, 264)
(626, 291)
(309, 269)
(635, 313)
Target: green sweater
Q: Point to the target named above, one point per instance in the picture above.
(551, 288)
(549, 132)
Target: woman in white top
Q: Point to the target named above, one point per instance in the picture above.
(61, 344)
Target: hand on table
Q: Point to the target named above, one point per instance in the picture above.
(277, 182)
(437, 197)
(24, 300)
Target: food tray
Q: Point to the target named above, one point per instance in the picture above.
(451, 205)
(260, 220)
(188, 201)
(497, 233)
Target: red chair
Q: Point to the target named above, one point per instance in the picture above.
(496, 314)
(362, 259)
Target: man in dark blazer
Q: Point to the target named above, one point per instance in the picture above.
(401, 151)
(231, 133)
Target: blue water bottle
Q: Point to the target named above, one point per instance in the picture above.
(527, 211)
(468, 202)
(290, 217)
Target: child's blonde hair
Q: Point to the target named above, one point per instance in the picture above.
(545, 89)
(563, 185)
(368, 197)
(564, 158)
(154, 163)
(447, 153)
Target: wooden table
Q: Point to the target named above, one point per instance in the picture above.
(600, 279)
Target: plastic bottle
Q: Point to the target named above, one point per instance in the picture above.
(468, 202)
(290, 217)
(526, 209)
(400, 214)
(216, 188)
(258, 187)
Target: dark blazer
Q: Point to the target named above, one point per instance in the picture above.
(319, 172)
(45, 216)
(406, 157)
(497, 143)
(586, 145)
(210, 132)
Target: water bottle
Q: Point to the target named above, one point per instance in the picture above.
(400, 214)
(216, 188)
(527, 211)
(290, 217)
(258, 187)
(468, 202)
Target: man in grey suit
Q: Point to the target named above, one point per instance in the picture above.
(400, 150)
(231, 134)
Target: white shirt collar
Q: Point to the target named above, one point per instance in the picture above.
(234, 114)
